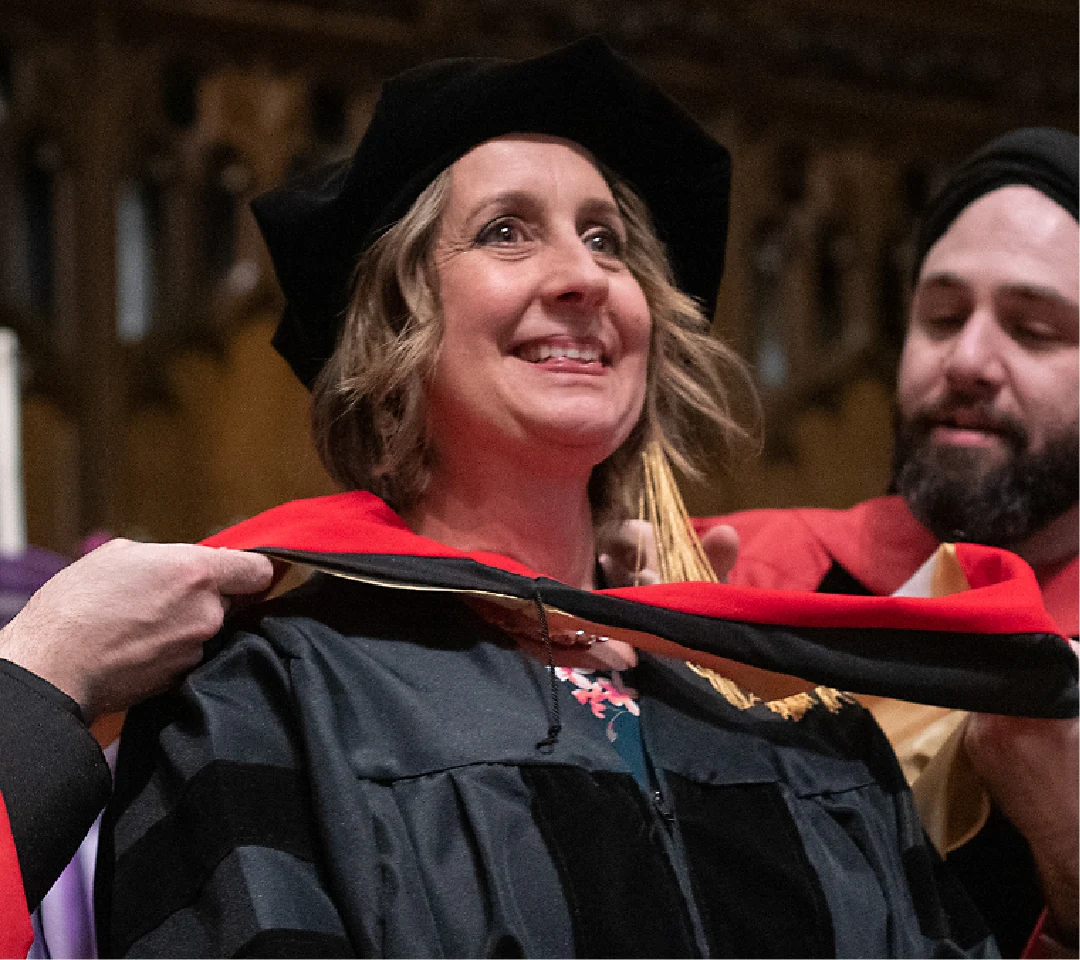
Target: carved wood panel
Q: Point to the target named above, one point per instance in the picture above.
(133, 133)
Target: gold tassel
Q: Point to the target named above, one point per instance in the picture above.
(679, 554)
(680, 557)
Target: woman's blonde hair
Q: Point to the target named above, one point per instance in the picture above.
(369, 402)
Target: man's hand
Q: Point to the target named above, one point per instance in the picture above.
(1030, 768)
(630, 557)
(127, 619)
(721, 545)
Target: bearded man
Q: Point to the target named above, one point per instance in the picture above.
(986, 452)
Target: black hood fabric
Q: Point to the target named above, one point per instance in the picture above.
(990, 649)
(1041, 157)
(317, 227)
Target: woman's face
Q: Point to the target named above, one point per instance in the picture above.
(546, 332)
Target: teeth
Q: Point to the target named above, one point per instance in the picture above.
(538, 353)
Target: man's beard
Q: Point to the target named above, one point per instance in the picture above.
(959, 497)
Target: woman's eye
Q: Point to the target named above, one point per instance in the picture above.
(604, 241)
(501, 231)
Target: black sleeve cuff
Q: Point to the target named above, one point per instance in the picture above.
(41, 687)
(53, 776)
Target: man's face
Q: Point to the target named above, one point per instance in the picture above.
(988, 388)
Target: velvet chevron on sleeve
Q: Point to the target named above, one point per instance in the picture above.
(216, 820)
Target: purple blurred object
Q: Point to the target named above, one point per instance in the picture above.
(21, 575)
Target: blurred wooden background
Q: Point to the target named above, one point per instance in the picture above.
(133, 133)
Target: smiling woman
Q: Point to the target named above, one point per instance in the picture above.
(418, 753)
(545, 345)
(493, 241)
(545, 329)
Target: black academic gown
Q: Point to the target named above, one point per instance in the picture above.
(367, 768)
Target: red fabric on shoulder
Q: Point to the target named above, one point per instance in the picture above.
(878, 542)
(16, 934)
(1061, 594)
(354, 522)
(357, 523)
(777, 550)
(1004, 598)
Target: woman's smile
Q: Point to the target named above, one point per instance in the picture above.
(565, 354)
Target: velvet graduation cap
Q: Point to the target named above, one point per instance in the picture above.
(429, 116)
(1041, 157)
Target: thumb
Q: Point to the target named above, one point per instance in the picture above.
(721, 544)
(238, 572)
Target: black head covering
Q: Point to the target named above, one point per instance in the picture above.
(428, 117)
(1041, 157)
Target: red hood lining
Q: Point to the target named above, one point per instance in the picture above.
(1005, 597)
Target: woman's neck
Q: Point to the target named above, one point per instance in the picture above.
(542, 520)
